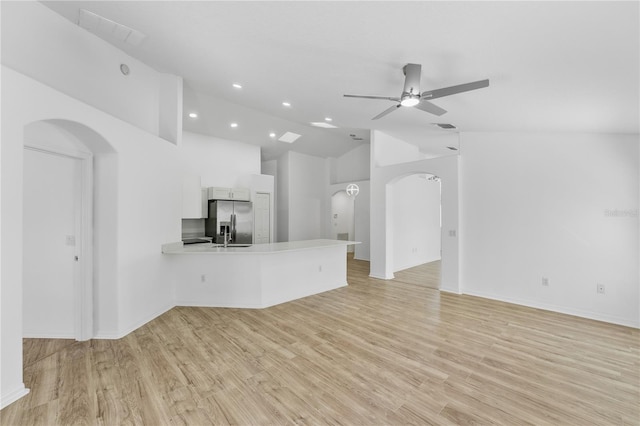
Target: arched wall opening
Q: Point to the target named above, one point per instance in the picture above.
(417, 227)
(343, 217)
(95, 242)
(382, 216)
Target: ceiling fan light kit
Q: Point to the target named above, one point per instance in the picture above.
(411, 96)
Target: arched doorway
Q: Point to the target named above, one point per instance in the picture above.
(58, 238)
(417, 228)
(382, 216)
(343, 217)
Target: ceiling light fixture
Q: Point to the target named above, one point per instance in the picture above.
(272, 135)
(287, 104)
(193, 115)
(410, 100)
(328, 119)
(237, 86)
(234, 125)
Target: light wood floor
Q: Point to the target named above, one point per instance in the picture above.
(375, 352)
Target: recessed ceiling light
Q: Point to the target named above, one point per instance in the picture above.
(193, 115)
(234, 125)
(323, 124)
(289, 137)
(237, 86)
(287, 104)
(328, 119)
(272, 135)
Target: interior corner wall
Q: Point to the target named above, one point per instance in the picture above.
(308, 182)
(352, 166)
(559, 206)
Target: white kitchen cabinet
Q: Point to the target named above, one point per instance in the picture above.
(219, 193)
(194, 198)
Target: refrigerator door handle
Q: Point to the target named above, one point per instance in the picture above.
(233, 227)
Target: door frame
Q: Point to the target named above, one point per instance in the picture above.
(270, 200)
(83, 270)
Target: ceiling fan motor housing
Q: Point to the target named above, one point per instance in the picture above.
(411, 92)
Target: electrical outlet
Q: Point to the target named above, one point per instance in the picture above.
(600, 288)
(319, 268)
(545, 281)
(203, 278)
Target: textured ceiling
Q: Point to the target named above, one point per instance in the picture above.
(554, 66)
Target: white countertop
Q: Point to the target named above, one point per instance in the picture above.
(179, 248)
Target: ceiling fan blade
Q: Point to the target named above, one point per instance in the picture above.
(452, 90)
(430, 108)
(386, 98)
(386, 111)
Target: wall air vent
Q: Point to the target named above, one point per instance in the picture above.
(445, 125)
(102, 26)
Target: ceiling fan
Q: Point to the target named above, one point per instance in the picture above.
(411, 96)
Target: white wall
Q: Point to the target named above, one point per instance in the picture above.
(308, 181)
(131, 277)
(536, 205)
(352, 166)
(282, 198)
(416, 230)
(219, 162)
(302, 201)
(389, 150)
(45, 46)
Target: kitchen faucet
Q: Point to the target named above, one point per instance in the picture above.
(227, 238)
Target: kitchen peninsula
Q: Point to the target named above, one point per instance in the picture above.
(256, 276)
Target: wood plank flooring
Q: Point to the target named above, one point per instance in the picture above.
(374, 352)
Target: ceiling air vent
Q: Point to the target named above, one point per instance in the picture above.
(445, 125)
(100, 25)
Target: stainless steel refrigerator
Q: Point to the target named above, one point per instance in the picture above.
(232, 217)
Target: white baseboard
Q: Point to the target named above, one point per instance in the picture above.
(35, 334)
(120, 334)
(221, 304)
(13, 396)
(627, 322)
(381, 276)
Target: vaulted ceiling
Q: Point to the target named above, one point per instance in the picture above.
(553, 66)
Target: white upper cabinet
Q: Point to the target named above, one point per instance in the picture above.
(239, 194)
(194, 198)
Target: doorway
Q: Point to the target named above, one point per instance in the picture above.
(417, 229)
(343, 217)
